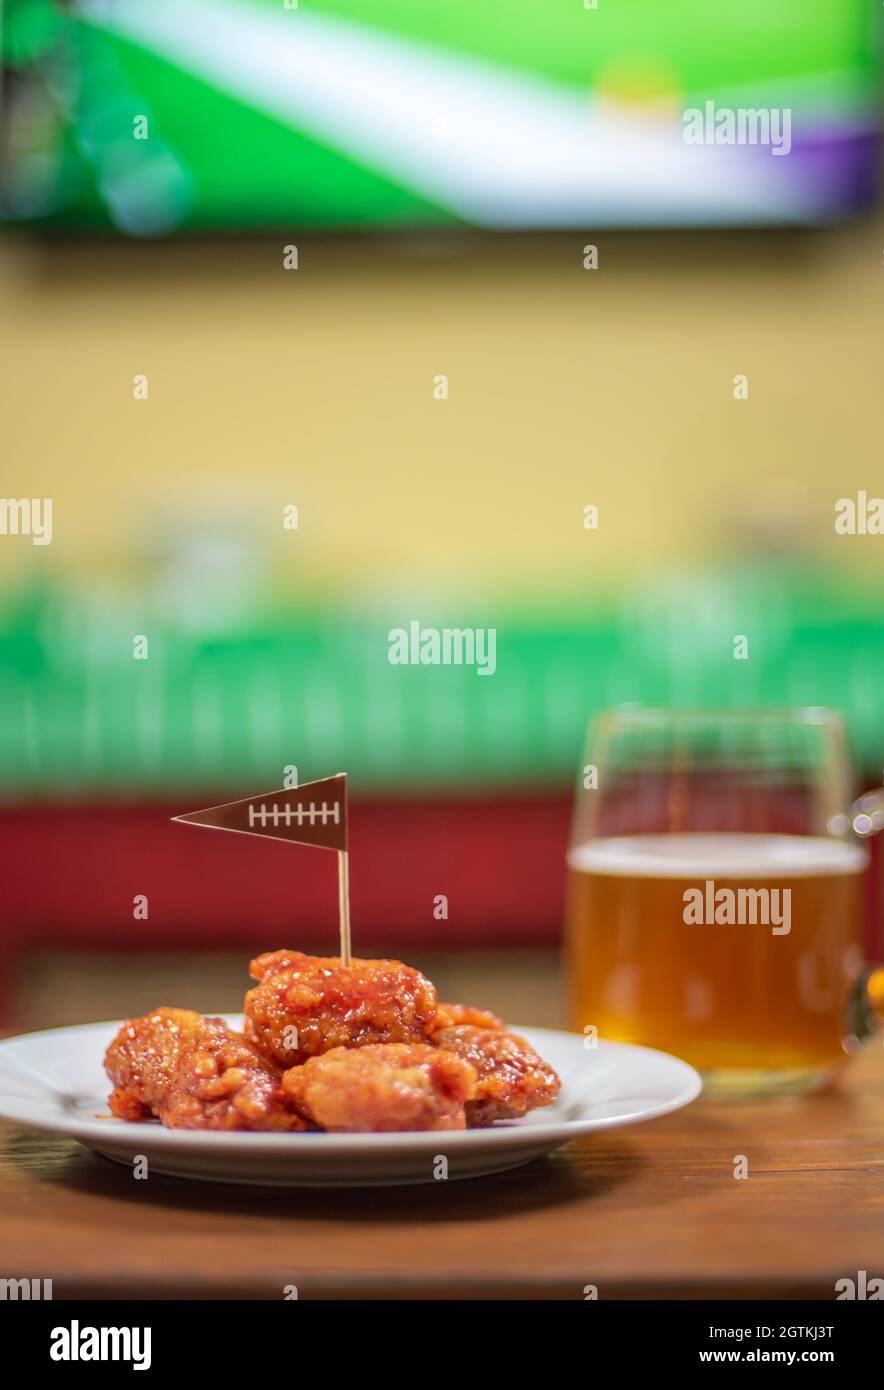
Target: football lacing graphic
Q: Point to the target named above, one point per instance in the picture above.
(294, 815)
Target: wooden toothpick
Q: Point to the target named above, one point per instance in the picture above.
(344, 904)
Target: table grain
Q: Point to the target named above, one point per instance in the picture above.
(652, 1211)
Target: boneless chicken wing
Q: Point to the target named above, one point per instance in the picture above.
(512, 1078)
(142, 1057)
(450, 1015)
(224, 1082)
(382, 1087)
(305, 1005)
(195, 1073)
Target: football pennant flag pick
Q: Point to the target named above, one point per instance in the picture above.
(312, 814)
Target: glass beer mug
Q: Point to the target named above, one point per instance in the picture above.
(715, 894)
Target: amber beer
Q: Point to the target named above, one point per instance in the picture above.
(660, 953)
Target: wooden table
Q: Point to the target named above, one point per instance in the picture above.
(652, 1211)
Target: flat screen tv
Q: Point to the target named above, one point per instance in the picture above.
(151, 117)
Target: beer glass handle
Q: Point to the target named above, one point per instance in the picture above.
(865, 1006)
(867, 814)
(864, 1014)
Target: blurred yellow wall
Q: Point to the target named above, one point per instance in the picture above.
(567, 387)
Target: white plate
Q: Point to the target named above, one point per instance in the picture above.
(55, 1081)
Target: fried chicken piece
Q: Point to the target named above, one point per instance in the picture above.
(142, 1057)
(195, 1073)
(225, 1082)
(382, 1087)
(306, 1005)
(512, 1078)
(450, 1015)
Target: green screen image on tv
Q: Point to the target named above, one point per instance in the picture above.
(186, 115)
